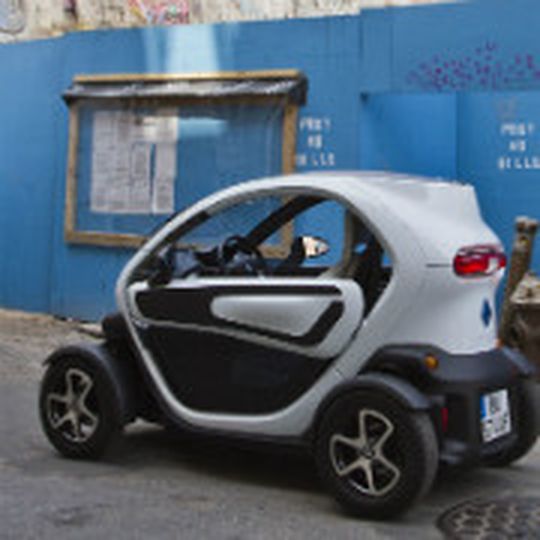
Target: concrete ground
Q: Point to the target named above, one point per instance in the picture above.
(162, 486)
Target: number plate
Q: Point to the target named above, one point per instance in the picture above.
(495, 415)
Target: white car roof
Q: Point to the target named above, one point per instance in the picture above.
(342, 181)
(438, 217)
(441, 215)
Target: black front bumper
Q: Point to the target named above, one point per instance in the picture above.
(455, 388)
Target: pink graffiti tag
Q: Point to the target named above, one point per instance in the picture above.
(161, 12)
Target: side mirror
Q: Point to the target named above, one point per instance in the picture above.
(314, 247)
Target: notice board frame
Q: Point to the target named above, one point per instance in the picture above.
(290, 104)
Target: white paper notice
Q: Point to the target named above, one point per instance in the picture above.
(134, 162)
(165, 168)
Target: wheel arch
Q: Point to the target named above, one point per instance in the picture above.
(390, 385)
(405, 362)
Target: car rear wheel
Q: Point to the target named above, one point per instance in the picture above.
(79, 410)
(376, 457)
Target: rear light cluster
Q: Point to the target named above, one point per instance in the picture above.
(445, 419)
(478, 261)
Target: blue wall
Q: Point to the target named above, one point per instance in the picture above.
(438, 90)
(414, 133)
(455, 92)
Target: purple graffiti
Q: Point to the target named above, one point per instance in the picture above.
(482, 68)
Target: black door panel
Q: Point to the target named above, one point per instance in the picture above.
(209, 372)
(245, 346)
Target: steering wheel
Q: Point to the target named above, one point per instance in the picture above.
(250, 259)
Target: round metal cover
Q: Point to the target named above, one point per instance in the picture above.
(495, 519)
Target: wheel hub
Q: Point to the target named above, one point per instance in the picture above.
(368, 453)
(362, 459)
(69, 409)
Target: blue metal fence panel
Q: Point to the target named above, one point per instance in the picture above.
(483, 45)
(478, 61)
(412, 133)
(29, 167)
(499, 152)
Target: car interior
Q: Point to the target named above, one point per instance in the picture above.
(349, 249)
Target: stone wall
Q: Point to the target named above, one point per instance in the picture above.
(218, 10)
(31, 19)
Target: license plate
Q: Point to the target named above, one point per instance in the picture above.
(495, 415)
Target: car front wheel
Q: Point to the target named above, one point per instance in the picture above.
(79, 411)
(375, 456)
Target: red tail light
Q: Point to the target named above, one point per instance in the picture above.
(478, 261)
(444, 419)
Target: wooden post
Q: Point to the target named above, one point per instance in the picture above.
(519, 264)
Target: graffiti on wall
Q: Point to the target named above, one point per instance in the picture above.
(484, 67)
(225, 10)
(11, 16)
(160, 12)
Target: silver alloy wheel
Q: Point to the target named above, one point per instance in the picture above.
(70, 412)
(361, 459)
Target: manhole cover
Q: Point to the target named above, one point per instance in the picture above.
(495, 519)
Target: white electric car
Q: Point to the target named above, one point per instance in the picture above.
(352, 313)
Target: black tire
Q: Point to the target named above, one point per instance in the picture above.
(410, 447)
(526, 419)
(97, 412)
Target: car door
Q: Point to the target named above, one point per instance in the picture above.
(247, 343)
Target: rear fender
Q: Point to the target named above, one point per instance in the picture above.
(391, 386)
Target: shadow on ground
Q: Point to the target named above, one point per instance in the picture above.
(258, 464)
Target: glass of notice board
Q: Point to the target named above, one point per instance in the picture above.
(142, 147)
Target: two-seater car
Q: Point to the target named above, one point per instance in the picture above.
(351, 313)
